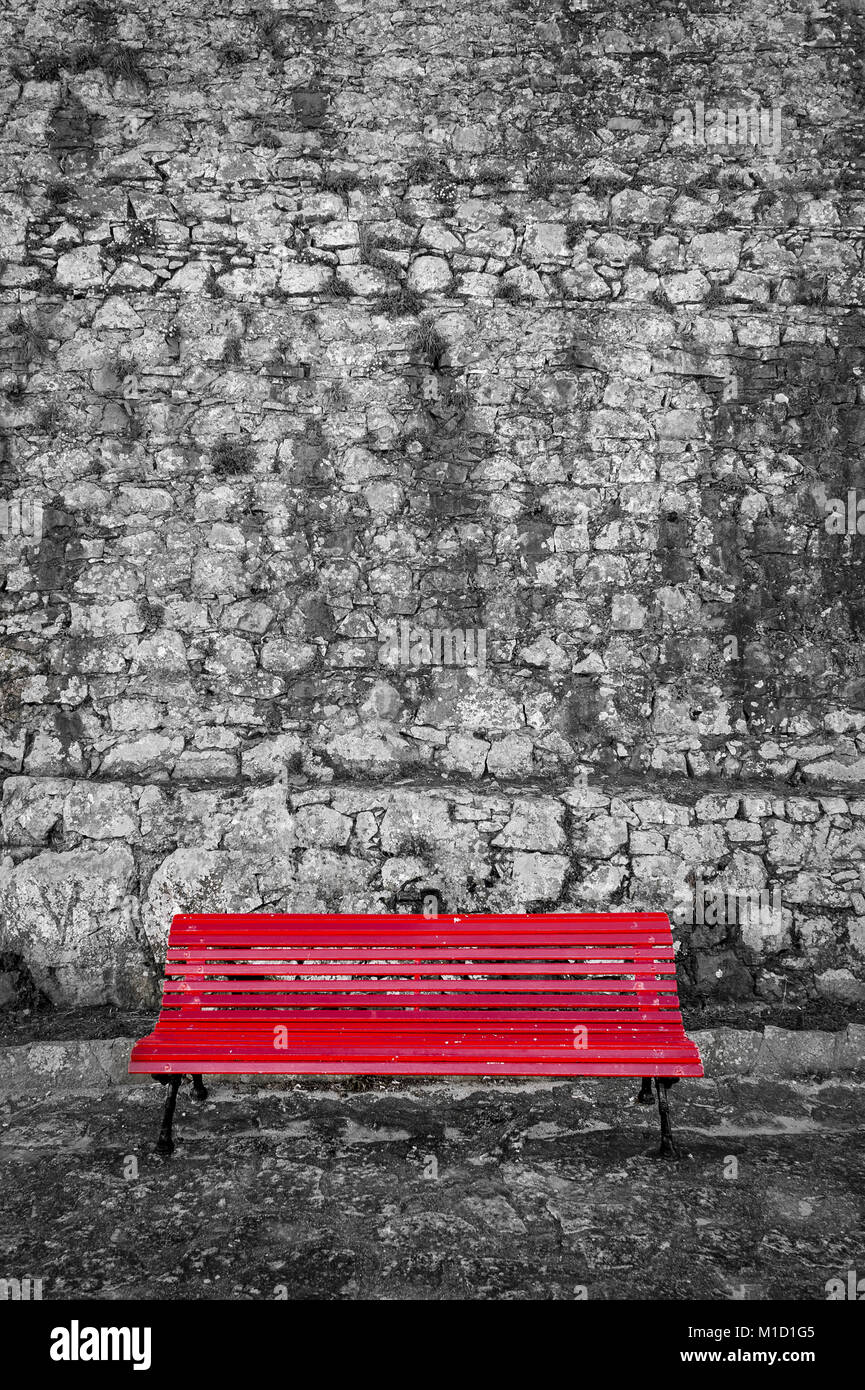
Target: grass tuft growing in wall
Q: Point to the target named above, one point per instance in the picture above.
(341, 181)
(398, 303)
(541, 183)
(49, 417)
(268, 24)
(509, 292)
(31, 339)
(60, 191)
(714, 296)
(426, 167)
(336, 397)
(231, 55)
(428, 342)
(212, 285)
(232, 355)
(122, 64)
(231, 457)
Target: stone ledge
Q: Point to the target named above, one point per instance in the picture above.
(97, 1064)
(86, 1064)
(780, 1051)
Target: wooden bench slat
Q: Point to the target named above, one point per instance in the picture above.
(397, 1066)
(427, 1013)
(333, 921)
(480, 936)
(377, 1038)
(430, 1001)
(407, 970)
(421, 1004)
(398, 953)
(490, 1047)
(318, 982)
(562, 1036)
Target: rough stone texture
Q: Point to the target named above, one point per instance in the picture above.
(87, 912)
(318, 319)
(542, 1191)
(89, 1064)
(55, 1068)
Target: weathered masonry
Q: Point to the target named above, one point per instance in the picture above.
(320, 319)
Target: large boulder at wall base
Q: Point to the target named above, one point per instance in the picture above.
(72, 918)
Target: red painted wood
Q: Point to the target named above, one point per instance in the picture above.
(559, 994)
(405, 970)
(398, 1066)
(466, 955)
(364, 921)
(197, 1021)
(352, 1000)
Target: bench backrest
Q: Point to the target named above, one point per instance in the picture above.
(567, 967)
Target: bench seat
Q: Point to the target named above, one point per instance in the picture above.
(380, 1047)
(562, 994)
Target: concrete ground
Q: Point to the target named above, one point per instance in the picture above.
(446, 1190)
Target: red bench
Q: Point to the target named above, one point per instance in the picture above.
(563, 994)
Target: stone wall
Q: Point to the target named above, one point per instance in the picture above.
(101, 868)
(330, 327)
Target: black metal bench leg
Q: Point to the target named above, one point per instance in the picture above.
(645, 1096)
(165, 1143)
(668, 1146)
(199, 1090)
